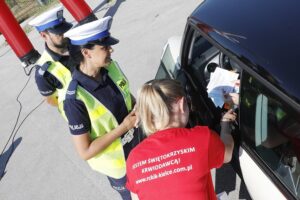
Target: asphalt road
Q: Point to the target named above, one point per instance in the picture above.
(38, 160)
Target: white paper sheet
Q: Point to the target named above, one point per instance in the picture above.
(221, 82)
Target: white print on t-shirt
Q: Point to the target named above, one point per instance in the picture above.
(165, 173)
(161, 165)
(164, 156)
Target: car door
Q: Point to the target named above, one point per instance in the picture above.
(197, 54)
(270, 147)
(170, 67)
(193, 67)
(200, 57)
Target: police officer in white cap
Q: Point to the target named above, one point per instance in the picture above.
(53, 71)
(99, 105)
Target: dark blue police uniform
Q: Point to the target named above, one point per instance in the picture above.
(107, 93)
(48, 83)
(110, 96)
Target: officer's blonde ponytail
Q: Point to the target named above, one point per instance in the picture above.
(154, 103)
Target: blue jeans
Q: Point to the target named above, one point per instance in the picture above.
(119, 186)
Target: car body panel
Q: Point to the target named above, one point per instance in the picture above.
(254, 178)
(232, 24)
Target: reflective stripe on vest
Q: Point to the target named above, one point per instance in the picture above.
(110, 161)
(60, 72)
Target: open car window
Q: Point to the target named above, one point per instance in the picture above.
(212, 70)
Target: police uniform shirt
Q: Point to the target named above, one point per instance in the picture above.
(48, 83)
(104, 90)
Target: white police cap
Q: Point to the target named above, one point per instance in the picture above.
(52, 20)
(96, 31)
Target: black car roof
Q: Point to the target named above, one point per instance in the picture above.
(264, 34)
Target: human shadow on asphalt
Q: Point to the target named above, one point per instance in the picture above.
(98, 8)
(112, 10)
(226, 181)
(5, 156)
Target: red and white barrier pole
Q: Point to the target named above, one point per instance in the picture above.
(16, 37)
(80, 10)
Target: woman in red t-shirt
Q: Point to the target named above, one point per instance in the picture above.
(174, 162)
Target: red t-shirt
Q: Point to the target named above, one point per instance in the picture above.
(175, 164)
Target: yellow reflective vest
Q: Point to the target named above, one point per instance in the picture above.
(110, 161)
(61, 72)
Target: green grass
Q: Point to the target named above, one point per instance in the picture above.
(31, 12)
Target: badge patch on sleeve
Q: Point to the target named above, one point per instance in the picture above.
(122, 83)
(128, 137)
(60, 15)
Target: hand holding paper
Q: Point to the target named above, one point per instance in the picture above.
(221, 82)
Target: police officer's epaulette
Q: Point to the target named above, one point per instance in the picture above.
(44, 67)
(71, 92)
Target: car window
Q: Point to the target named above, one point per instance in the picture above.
(201, 54)
(212, 70)
(272, 131)
(167, 65)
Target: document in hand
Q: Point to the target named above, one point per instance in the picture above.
(221, 82)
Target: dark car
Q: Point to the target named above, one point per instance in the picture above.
(259, 43)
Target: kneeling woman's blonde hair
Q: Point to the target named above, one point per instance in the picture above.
(154, 103)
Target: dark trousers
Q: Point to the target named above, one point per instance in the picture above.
(119, 186)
